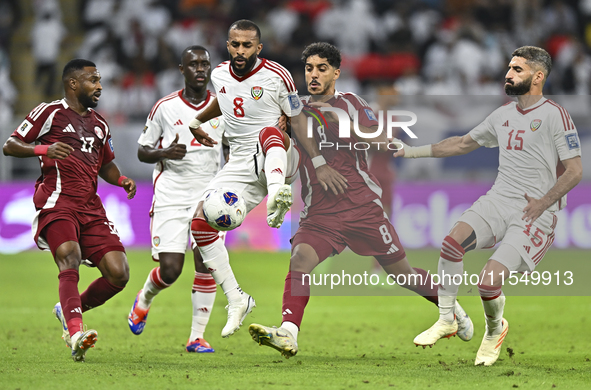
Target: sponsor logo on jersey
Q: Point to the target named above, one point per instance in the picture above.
(223, 90)
(294, 102)
(178, 123)
(69, 129)
(535, 124)
(506, 124)
(111, 144)
(156, 240)
(256, 92)
(572, 141)
(25, 127)
(215, 123)
(99, 132)
(370, 115)
(527, 248)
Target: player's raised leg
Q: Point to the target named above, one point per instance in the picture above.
(275, 144)
(450, 265)
(160, 278)
(216, 260)
(203, 297)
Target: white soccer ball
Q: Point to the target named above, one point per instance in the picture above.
(224, 209)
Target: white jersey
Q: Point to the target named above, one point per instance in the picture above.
(253, 102)
(531, 143)
(179, 183)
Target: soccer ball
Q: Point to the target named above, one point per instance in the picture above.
(224, 209)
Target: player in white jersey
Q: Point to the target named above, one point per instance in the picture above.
(252, 95)
(183, 170)
(534, 136)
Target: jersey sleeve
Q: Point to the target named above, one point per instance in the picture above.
(565, 134)
(153, 128)
(288, 97)
(108, 150)
(484, 134)
(365, 115)
(36, 124)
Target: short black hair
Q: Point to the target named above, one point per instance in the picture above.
(323, 50)
(76, 64)
(193, 48)
(536, 56)
(245, 24)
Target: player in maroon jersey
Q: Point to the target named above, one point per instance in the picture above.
(331, 221)
(74, 146)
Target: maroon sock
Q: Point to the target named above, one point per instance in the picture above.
(294, 304)
(70, 299)
(97, 293)
(426, 289)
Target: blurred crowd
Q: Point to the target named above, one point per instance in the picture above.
(413, 47)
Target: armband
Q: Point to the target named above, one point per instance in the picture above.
(318, 161)
(41, 150)
(195, 123)
(121, 180)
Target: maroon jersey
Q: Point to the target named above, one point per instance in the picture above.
(362, 186)
(70, 183)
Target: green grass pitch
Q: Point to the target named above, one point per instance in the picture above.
(362, 342)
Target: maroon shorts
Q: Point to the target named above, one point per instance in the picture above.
(95, 234)
(365, 230)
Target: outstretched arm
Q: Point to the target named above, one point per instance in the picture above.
(111, 174)
(17, 148)
(566, 182)
(452, 146)
(327, 176)
(210, 112)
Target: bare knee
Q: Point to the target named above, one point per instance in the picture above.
(68, 256)
(114, 268)
(303, 259)
(171, 266)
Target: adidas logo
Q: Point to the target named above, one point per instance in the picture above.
(179, 123)
(212, 269)
(277, 170)
(223, 90)
(527, 248)
(506, 124)
(393, 248)
(286, 312)
(203, 309)
(69, 129)
(76, 310)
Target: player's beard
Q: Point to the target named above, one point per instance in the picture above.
(247, 65)
(86, 101)
(520, 88)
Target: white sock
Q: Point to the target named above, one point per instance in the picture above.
(275, 164)
(154, 284)
(292, 328)
(493, 314)
(448, 290)
(202, 306)
(216, 259)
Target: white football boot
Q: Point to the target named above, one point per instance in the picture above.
(465, 326)
(57, 310)
(237, 311)
(278, 338)
(278, 205)
(441, 329)
(490, 349)
(81, 343)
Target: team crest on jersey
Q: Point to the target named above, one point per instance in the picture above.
(99, 132)
(156, 240)
(256, 92)
(215, 123)
(535, 124)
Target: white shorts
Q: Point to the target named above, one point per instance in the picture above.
(246, 176)
(522, 246)
(171, 231)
